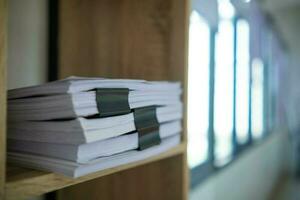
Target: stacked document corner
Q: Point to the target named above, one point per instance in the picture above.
(78, 126)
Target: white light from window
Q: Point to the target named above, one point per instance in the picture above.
(226, 9)
(223, 112)
(257, 98)
(242, 81)
(198, 90)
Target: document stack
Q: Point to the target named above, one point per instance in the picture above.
(78, 126)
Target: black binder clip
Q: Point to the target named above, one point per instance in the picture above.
(147, 127)
(112, 101)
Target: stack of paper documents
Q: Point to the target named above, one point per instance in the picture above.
(79, 126)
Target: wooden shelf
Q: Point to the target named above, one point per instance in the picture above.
(23, 183)
(117, 39)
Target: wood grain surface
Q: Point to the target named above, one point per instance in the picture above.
(24, 183)
(128, 39)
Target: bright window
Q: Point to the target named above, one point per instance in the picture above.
(242, 81)
(257, 99)
(223, 104)
(198, 90)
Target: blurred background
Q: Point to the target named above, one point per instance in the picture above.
(243, 93)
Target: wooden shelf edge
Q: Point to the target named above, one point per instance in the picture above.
(23, 183)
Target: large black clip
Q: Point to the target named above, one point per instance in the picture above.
(112, 101)
(147, 127)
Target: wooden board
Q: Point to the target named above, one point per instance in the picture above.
(156, 180)
(3, 57)
(122, 38)
(127, 39)
(24, 183)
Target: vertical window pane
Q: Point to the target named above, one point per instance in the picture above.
(223, 112)
(198, 90)
(242, 81)
(257, 98)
